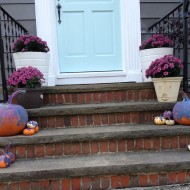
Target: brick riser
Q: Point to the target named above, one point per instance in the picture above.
(96, 119)
(101, 146)
(99, 97)
(103, 182)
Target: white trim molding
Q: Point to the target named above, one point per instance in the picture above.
(131, 39)
(46, 29)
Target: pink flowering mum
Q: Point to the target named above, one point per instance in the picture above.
(26, 77)
(167, 66)
(30, 43)
(157, 41)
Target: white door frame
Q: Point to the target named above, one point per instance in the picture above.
(131, 39)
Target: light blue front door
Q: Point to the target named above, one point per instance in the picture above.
(89, 35)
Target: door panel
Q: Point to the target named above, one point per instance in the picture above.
(103, 33)
(74, 37)
(89, 36)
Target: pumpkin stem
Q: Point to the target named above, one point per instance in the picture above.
(184, 96)
(7, 149)
(161, 117)
(15, 94)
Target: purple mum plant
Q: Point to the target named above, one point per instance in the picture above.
(26, 77)
(157, 41)
(168, 115)
(167, 66)
(30, 43)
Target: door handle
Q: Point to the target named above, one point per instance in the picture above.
(59, 12)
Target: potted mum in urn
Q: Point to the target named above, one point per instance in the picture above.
(26, 83)
(155, 47)
(32, 51)
(165, 73)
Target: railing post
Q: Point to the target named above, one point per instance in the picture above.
(4, 83)
(186, 70)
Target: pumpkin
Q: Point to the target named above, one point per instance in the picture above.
(7, 158)
(36, 129)
(159, 120)
(32, 124)
(13, 119)
(181, 111)
(29, 132)
(4, 161)
(170, 122)
(32, 127)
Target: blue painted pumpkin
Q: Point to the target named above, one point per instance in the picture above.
(7, 158)
(13, 119)
(181, 111)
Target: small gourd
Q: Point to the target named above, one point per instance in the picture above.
(32, 128)
(29, 132)
(170, 122)
(159, 120)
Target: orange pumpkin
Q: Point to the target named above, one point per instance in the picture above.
(181, 111)
(36, 129)
(28, 132)
(7, 158)
(13, 119)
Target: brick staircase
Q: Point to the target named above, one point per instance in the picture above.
(98, 137)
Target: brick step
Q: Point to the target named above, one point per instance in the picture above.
(99, 171)
(98, 114)
(98, 93)
(51, 143)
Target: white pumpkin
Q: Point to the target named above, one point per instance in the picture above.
(159, 120)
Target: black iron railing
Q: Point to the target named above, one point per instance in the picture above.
(176, 24)
(10, 30)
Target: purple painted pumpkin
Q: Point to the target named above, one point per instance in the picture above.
(4, 161)
(7, 158)
(181, 111)
(13, 119)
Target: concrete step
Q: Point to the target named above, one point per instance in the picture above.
(98, 114)
(51, 143)
(185, 186)
(98, 93)
(100, 171)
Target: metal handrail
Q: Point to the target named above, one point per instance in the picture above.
(12, 19)
(177, 24)
(186, 75)
(5, 92)
(160, 20)
(12, 30)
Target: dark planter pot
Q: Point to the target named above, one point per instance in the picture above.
(28, 98)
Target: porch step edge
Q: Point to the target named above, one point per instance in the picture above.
(62, 135)
(98, 87)
(101, 108)
(97, 165)
(185, 186)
